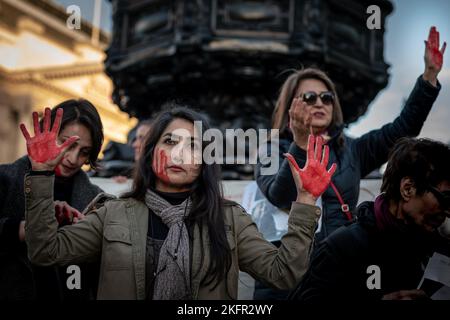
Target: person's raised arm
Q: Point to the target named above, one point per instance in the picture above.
(46, 243)
(282, 268)
(373, 147)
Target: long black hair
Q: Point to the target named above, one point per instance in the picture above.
(206, 191)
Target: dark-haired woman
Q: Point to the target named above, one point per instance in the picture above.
(173, 236)
(72, 192)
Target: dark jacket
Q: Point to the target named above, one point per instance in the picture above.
(17, 280)
(339, 268)
(357, 158)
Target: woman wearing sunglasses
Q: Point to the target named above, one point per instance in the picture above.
(308, 101)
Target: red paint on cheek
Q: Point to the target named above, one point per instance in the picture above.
(58, 171)
(159, 165)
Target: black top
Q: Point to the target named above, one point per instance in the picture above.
(63, 189)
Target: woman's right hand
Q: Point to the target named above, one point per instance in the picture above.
(314, 178)
(300, 122)
(43, 150)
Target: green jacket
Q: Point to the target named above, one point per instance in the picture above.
(116, 233)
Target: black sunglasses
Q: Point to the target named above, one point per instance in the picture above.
(310, 97)
(443, 198)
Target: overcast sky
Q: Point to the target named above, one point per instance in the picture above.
(406, 28)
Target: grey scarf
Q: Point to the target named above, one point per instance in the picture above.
(172, 281)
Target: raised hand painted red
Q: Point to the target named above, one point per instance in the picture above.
(437, 56)
(314, 176)
(159, 165)
(43, 148)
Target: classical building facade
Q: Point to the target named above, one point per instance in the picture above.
(44, 62)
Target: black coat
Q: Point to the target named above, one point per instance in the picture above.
(17, 275)
(357, 158)
(339, 267)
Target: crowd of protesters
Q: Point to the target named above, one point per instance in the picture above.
(173, 236)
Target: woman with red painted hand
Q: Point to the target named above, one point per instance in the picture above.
(174, 236)
(307, 100)
(395, 235)
(19, 280)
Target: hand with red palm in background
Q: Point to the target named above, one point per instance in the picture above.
(43, 149)
(434, 57)
(312, 180)
(45, 154)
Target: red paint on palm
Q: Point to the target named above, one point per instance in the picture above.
(315, 177)
(437, 56)
(43, 147)
(159, 165)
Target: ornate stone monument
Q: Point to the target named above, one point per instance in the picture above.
(230, 58)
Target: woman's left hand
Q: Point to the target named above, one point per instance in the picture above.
(434, 57)
(314, 178)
